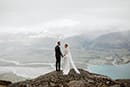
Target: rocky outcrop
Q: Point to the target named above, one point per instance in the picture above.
(124, 82)
(57, 79)
(4, 83)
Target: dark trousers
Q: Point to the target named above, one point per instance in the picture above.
(58, 63)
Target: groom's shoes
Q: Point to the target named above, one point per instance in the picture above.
(58, 70)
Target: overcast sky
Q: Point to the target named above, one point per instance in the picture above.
(66, 17)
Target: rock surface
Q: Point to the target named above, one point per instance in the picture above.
(85, 79)
(124, 82)
(4, 83)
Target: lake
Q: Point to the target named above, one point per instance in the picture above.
(113, 71)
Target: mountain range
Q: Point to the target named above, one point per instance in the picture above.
(113, 40)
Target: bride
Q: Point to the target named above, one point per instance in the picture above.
(68, 62)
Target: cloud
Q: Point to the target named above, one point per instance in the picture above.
(61, 23)
(63, 27)
(65, 18)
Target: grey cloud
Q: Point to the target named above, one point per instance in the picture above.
(29, 15)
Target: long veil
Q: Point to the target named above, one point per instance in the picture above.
(72, 62)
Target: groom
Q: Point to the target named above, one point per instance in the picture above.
(58, 55)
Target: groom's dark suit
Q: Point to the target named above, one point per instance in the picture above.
(58, 55)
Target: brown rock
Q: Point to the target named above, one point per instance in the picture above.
(124, 82)
(85, 79)
(79, 83)
(4, 83)
(116, 86)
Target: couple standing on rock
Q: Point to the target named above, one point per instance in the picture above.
(67, 61)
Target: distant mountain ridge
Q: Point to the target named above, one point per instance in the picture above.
(106, 41)
(112, 40)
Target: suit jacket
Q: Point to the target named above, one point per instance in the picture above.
(58, 51)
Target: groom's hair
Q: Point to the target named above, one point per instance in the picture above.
(58, 42)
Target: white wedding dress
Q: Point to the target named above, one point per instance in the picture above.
(68, 62)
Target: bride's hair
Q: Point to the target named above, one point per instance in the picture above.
(66, 45)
